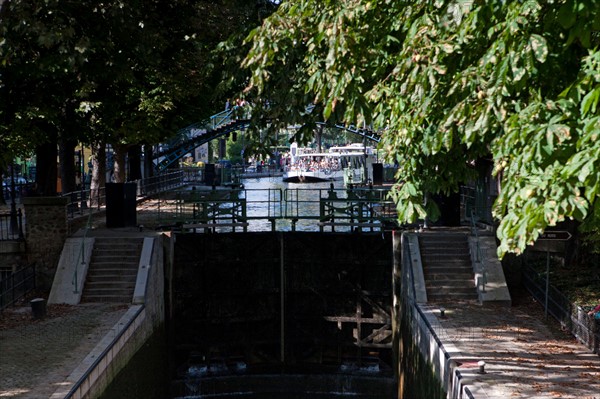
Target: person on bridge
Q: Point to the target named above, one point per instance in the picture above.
(595, 313)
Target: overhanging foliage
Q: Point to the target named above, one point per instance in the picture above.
(451, 82)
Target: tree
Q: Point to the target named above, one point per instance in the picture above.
(450, 82)
(125, 73)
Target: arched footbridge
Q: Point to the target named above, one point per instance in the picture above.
(219, 125)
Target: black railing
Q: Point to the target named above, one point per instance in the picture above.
(83, 201)
(571, 317)
(15, 286)
(159, 183)
(11, 226)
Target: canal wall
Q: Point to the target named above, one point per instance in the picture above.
(139, 323)
(425, 368)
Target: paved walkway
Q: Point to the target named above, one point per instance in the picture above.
(525, 356)
(36, 356)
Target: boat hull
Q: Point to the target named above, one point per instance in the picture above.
(311, 176)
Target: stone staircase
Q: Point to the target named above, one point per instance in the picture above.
(447, 267)
(113, 270)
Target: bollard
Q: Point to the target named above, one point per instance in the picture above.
(481, 365)
(38, 308)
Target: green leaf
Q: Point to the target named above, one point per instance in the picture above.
(539, 46)
(590, 101)
(567, 14)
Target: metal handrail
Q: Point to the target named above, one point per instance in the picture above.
(81, 256)
(221, 118)
(407, 263)
(348, 207)
(478, 254)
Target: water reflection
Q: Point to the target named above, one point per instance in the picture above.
(284, 202)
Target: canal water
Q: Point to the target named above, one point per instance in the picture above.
(299, 200)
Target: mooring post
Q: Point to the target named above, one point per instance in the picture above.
(282, 301)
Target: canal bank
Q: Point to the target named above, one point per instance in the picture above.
(77, 348)
(144, 312)
(492, 349)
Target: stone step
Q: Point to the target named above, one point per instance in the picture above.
(113, 270)
(117, 247)
(442, 260)
(108, 278)
(447, 264)
(116, 252)
(123, 284)
(442, 297)
(449, 267)
(125, 250)
(114, 273)
(106, 298)
(450, 283)
(119, 240)
(113, 264)
(444, 239)
(448, 276)
(450, 289)
(450, 251)
(108, 290)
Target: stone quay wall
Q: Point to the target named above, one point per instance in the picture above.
(45, 232)
(117, 348)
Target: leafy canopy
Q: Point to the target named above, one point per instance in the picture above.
(449, 82)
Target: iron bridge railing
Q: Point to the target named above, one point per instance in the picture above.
(280, 209)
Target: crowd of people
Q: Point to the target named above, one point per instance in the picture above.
(314, 164)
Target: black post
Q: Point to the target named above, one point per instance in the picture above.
(14, 228)
(547, 282)
(83, 201)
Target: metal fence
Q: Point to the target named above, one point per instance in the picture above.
(82, 201)
(15, 286)
(571, 317)
(162, 182)
(11, 226)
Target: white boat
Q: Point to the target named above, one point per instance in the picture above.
(351, 163)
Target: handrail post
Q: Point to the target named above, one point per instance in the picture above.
(478, 255)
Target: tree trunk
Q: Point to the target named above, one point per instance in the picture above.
(98, 180)
(119, 163)
(135, 163)
(46, 172)
(66, 155)
(148, 164)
